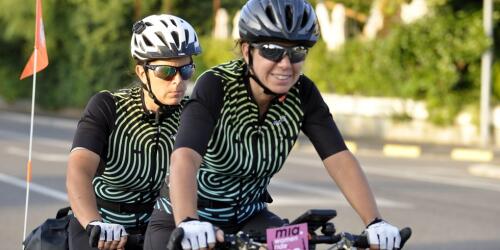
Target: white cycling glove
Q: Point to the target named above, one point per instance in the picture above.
(197, 234)
(384, 235)
(109, 232)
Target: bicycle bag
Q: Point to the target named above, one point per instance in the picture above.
(52, 234)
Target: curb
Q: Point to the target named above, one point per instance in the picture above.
(410, 150)
(485, 162)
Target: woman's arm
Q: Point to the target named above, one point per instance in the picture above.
(347, 173)
(184, 166)
(82, 166)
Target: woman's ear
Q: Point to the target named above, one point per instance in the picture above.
(139, 71)
(245, 49)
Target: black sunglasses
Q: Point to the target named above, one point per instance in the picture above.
(167, 72)
(275, 52)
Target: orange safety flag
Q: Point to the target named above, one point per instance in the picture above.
(42, 60)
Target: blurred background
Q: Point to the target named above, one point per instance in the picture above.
(421, 58)
(391, 71)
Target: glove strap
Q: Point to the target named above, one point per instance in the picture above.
(189, 219)
(87, 228)
(374, 221)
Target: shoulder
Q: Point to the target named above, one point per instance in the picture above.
(125, 93)
(229, 71)
(102, 98)
(101, 107)
(184, 101)
(225, 71)
(307, 89)
(305, 84)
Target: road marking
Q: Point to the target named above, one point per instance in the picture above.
(297, 201)
(413, 175)
(330, 195)
(42, 140)
(485, 170)
(37, 188)
(465, 154)
(38, 155)
(403, 151)
(416, 176)
(41, 120)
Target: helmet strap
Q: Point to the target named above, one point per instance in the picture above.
(150, 90)
(249, 72)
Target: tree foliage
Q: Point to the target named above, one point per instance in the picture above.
(435, 59)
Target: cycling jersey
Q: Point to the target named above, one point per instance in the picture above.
(134, 146)
(242, 150)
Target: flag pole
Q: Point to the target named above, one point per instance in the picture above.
(28, 171)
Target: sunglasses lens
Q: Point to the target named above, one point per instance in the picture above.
(297, 54)
(272, 52)
(165, 72)
(275, 52)
(187, 71)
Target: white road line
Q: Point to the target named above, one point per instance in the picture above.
(453, 181)
(42, 140)
(39, 119)
(330, 196)
(37, 188)
(412, 175)
(38, 155)
(281, 200)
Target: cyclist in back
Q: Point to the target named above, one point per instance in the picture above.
(121, 149)
(239, 127)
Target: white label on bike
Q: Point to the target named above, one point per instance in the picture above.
(292, 237)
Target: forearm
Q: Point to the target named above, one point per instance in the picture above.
(183, 186)
(347, 173)
(80, 190)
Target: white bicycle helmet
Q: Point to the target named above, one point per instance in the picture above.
(163, 36)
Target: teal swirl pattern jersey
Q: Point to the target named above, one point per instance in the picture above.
(134, 146)
(242, 151)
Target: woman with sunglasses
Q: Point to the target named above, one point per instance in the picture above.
(121, 150)
(239, 127)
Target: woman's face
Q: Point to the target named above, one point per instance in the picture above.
(167, 83)
(277, 72)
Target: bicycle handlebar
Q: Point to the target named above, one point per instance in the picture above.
(247, 241)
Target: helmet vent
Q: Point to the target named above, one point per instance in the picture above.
(289, 17)
(186, 35)
(147, 42)
(173, 23)
(304, 19)
(148, 24)
(175, 36)
(270, 15)
(160, 36)
(164, 23)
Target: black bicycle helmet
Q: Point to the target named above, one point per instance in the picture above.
(279, 20)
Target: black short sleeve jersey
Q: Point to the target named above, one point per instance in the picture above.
(242, 151)
(96, 124)
(134, 148)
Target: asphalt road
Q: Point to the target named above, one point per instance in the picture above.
(447, 207)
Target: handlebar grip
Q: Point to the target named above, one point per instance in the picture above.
(362, 240)
(175, 239)
(93, 232)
